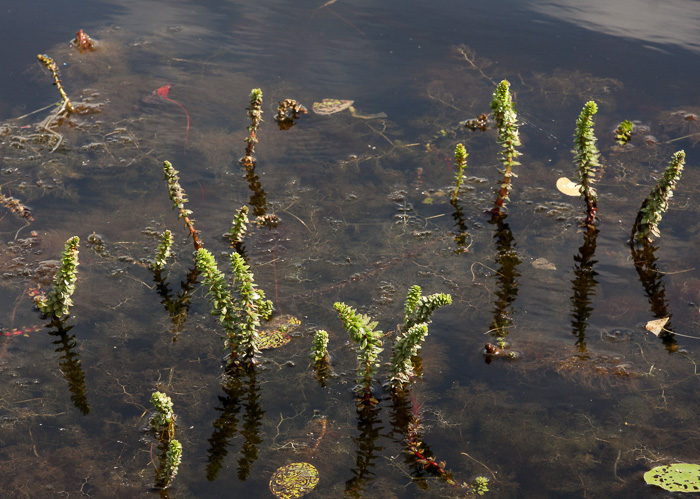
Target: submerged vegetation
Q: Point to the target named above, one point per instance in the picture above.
(332, 241)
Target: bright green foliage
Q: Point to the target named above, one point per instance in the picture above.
(176, 192)
(239, 226)
(173, 458)
(461, 163)
(361, 330)
(405, 348)
(421, 309)
(165, 417)
(586, 156)
(481, 485)
(58, 302)
(319, 347)
(508, 137)
(163, 252)
(656, 204)
(623, 132)
(679, 477)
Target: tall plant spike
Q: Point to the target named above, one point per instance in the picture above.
(50, 64)
(461, 164)
(255, 115)
(369, 342)
(58, 302)
(249, 309)
(508, 137)
(655, 205)
(179, 198)
(586, 156)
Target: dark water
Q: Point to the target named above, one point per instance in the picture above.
(594, 399)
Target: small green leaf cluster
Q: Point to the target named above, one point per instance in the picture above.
(239, 226)
(418, 310)
(164, 417)
(586, 156)
(481, 485)
(58, 301)
(623, 132)
(319, 347)
(656, 204)
(163, 251)
(507, 125)
(175, 190)
(361, 330)
(255, 114)
(461, 163)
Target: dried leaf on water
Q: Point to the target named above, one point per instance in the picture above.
(657, 325)
(568, 187)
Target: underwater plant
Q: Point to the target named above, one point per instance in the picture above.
(179, 198)
(368, 341)
(319, 347)
(461, 163)
(173, 458)
(508, 137)
(586, 156)
(255, 115)
(623, 132)
(58, 301)
(646, 226)
(50, 64)
(163, 251)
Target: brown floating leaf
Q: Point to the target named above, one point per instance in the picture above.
(657, 326)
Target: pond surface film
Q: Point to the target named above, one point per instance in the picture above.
(355, 207)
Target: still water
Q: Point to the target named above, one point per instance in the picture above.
(593, 400)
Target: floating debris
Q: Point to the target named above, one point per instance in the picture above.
(294, 480)
(568, 187)
(680, 477)
(277, 333)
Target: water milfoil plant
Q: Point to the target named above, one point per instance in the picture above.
(461, 164)
(240, 318)
(50, 64)
(319, 346)
(179, 198)
(255, 115)
(163, 251)
(586, 156)
(418, 310)
(646, 226)
(58, 301)
(507, 125)
(369, 345)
